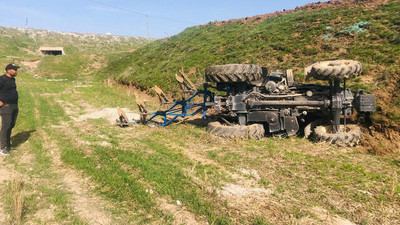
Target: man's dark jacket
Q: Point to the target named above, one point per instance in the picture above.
(8, 90)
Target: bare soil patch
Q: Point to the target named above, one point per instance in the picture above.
(6, 170)
(29, 51)
(109, 114)
(180, 213)
(233, 190)
(45, 214)
(31, 64)
(97, 62)
(383, 137)
(3, 215)
(91, 112)
(328, 219)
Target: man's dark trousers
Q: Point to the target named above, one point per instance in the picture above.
(9, 113)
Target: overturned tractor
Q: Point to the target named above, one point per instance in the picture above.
(256, 102)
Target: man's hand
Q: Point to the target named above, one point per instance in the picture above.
(1, 103)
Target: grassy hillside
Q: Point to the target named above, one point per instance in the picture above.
(25, 41)
(293, 40)
(85, 53)
(367, 33)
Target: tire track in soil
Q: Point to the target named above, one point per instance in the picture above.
(3, 217)
(6, 174)
(180, 213)
(244, 196)
(89, 207)
(84, 203)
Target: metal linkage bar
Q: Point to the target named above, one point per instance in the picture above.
(180, 108)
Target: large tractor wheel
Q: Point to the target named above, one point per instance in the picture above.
(254, 131)
(232, 73)
(350, 138)
(334, 69)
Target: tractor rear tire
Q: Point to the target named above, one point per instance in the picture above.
(233, 73)
(254, 131)
(350, 138)
(334, 69)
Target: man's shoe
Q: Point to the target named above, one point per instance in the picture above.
(4, 152)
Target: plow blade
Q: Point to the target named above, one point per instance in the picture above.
(123, 119)
(142, 109)
(186, 76)
(179, 79)
(161, 95)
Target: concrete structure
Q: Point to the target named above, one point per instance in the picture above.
(52, 50)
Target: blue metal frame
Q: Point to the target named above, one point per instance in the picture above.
(180, 108)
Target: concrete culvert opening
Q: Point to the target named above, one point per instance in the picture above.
(52, 50)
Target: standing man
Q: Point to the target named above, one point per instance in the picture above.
(8, 106)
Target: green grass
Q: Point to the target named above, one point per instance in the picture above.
(161, 168)
(63, 67)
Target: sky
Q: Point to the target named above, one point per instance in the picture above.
(142, 18)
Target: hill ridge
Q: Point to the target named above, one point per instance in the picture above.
(35, 31)
(307, 7)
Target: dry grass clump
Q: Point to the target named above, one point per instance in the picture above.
(18, 199)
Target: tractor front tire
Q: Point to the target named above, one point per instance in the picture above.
(254, 131)
(233, 73)
(350, 138)
(334, 69)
